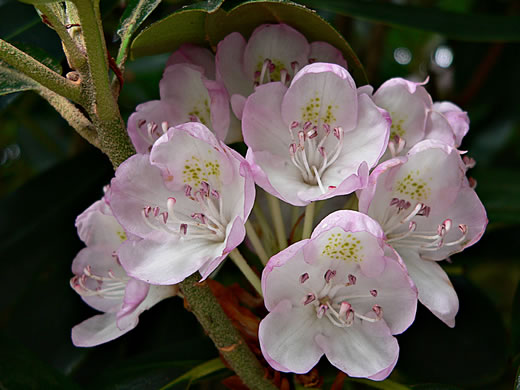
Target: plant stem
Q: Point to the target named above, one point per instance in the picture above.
(257, 244)
(309, 219)
(71, 114)
(276, 215)
(231, 345)
(75, 57)
(38, 72)
(244, 267)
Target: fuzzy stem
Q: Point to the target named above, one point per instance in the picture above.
(309, 219)
(257, 244)
(74, 55)
(71, 114)
(244, 267)
(276, 215)
(230, 344)
(38, 72)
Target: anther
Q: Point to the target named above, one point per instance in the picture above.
(338, 132)
(378, 310)
(350, 318)
(373, 293)
(183, 228)
(215, 194)
(344, 308)
(165, 216)
(294, 125)
(141, 122)
(313, 133)
(304, 277)
(309, 298)
(322, 309)
(351, 280)
(146, 211)
(307, 125)
(164, 126)
(156, 211)
(469, 162)
(329, 275)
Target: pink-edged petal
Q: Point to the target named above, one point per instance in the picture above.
(135, 293)
(183, 86)
(262, 123)
(100, 262)
(154, 294)
(325, 52)
(457, 118)
(439, 128)
(167, 262)
(287, 338)
(238, 103)
(279, 43)
(201, 158)
(97, 330)
(367, 142)
(383, 374)
(287, 265)
(322, 93)
(407, 103)
(369, 197)
(435, 289)
(219, 108)
(229, 63)
(137, 185)
(363, 350)
(188, 53)
(98, 227)
(235, 234)
(365, 90)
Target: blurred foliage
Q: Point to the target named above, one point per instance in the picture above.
(49, 175)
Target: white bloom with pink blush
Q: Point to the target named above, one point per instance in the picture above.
(316, 139)
(186, 95)
(415, 117)
(104, 284)
(343, 293)
(428, 212)
(274, 52)
(186, 204)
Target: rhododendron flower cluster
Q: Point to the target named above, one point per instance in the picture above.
(181, 205)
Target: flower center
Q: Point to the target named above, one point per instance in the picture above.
(332, 301)
(273, 70)
(209, 222)
(401, 230)
(309, 153)
(150, 131)
(89, 284)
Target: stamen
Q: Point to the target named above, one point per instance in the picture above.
(373, 293)
(309, 298)
(295, 67)
(165, 127)
(322, 309)
(344, 308)
(329, 275)
(304, 277)
(351, 280)
(183, 229)
(378, 310)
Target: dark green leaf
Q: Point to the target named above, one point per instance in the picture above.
(135, 14)
(13, 81)
(198, 372)
(383, 385)
(517, 379)
(208, 25)
(474, 353)
(454, 25)
(515, 322)
(433, 386)
(21, 369)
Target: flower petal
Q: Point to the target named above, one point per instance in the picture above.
(135, 293)
(279, 43)
(229, 63)
(362, 350)
(435, 289)
(287, 338)
(196, 55)
(325, 52)
(457, 118)
(96, 330)
(322, 93)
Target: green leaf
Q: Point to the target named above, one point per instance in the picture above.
(454, 25)
(434, 386)
(21, 369)
(202, 25)
(198, 372)
(12, 81)
(517, 380)
(515, 322)
(134, 15)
